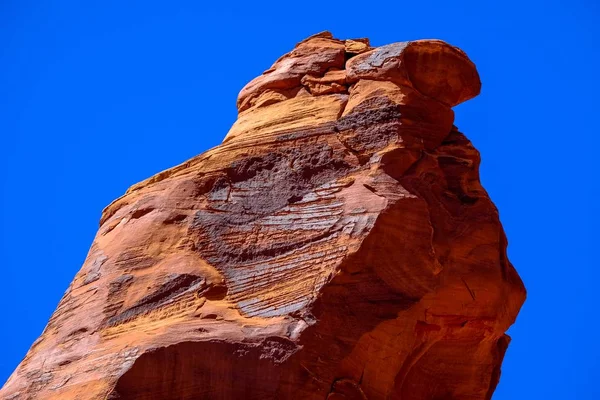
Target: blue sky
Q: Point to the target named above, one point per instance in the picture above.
(96, 96)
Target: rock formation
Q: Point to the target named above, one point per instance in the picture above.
(337, 245)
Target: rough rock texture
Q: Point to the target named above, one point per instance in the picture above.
(337, 245)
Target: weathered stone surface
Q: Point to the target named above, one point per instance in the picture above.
(337, 245)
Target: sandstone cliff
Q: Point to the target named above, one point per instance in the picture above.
(338, 244)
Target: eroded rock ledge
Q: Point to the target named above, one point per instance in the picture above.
(337, 245)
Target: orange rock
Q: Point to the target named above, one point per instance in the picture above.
(356, 46)
(433, 67)
(337, 245)
(334, 81)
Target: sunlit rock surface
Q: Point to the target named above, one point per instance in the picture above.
(337, 245)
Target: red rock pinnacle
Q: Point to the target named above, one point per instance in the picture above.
(337, 245)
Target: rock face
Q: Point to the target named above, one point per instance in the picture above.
(337, 245)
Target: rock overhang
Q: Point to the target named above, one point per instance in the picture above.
(322, 70)
(432, 66)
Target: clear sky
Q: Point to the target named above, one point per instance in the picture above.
(96, 96)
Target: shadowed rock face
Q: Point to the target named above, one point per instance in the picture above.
(337, 245)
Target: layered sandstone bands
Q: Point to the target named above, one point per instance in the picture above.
(337, 245)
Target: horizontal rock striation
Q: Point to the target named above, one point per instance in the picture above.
(337, 245)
